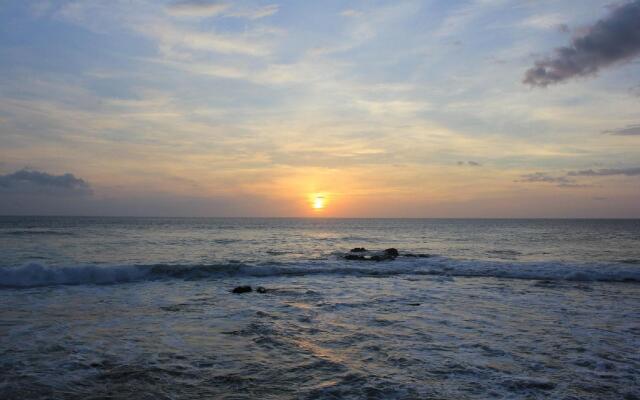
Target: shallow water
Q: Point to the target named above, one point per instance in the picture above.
(95, 318)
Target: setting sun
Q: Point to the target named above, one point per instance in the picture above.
(318, 202)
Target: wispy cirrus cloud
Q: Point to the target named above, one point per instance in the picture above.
(630, 130)
(173, 37)
(255, 12)
(208, 8)
(611, 40)
(546, 21)
(196, 8)
(351, 13)
(607, 172)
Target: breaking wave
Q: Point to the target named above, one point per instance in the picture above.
(36, 274)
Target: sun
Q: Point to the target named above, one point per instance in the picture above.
(318, 203)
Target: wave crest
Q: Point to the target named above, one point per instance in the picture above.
(35, 274)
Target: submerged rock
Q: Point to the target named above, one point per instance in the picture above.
(358, 250)
(261, 289)
(242, 289)
(354, 257)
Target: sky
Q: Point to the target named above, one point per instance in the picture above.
(475, 108)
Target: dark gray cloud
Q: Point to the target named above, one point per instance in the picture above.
(470, 163)
(607, 172)
(546, 178)
(613, 39)
(28, 181)
(568, 180)
(631, 130)
(572, 185)
(559, 181)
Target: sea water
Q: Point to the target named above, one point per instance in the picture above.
(141, 308)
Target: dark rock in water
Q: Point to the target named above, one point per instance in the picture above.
(242, 289)
(413, 304)
(524, 384)
(391, 252)
(388, 254)
(261, 289)
(416, 255)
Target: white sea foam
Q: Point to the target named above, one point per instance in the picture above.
(34, 274)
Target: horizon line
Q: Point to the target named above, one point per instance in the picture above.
(336, 218)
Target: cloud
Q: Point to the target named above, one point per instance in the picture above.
(630, 130)
(543, 177)
(204, 8)
(462, 17)
(196, 8)
(607, 172)
(351, 13)
(28, 181)
(255, 13)
(470, 163)
(566, 181)
(611, 40)
(172, 38)
(544, 22)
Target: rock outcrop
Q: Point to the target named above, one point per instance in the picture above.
(362, 254)
(242, 289)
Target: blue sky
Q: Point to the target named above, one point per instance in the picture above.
(409, 108)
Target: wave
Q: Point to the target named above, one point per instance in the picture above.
(505, 252)
(28, 232)
(36, 274)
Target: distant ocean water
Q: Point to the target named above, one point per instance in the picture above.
(140, 308)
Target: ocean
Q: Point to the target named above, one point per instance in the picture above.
(142, 308)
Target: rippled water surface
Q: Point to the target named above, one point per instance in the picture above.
(141, 308)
